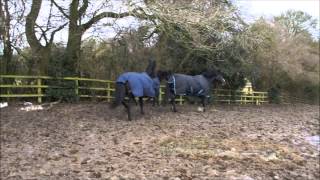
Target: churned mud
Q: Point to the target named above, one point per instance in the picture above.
(89, 141)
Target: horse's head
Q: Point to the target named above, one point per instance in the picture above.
(214, 76)
(219, 78)
(163, 75)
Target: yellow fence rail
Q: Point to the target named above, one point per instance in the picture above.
(241, 97)
(37, 86)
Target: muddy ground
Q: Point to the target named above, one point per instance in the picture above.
(89, 141)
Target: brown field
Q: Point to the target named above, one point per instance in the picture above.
(89, 141)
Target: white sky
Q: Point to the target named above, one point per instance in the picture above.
(253, 9)
(256, 8)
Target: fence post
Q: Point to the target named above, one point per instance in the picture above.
(160, 95)
(214, 96)
(8, 89)
(181, 99)
(108, 92)
(76, 88)
(8, 92)
(39, 90)
(252, 98)
(241, 98)
(246, 99)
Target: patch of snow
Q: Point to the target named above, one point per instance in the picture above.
(4, 104)
(27, 103)
(314, 140)
(200, 109)
(32, 108)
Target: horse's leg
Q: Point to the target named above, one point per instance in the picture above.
(128, 110)
(203, 102)
(156, 101)
(173, 103)
(131, 97)
(170, 95)
(167, 94)
(141, 104)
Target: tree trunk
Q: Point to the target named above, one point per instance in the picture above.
(40, 53)
(74, 40)
(41, 60)
(5, 36)
(77, 29)
(73, 51)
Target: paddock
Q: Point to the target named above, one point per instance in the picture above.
(86, 140)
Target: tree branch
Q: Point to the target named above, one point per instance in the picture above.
(60, 9)
(102, 15)
(20, 52)
(83, 8)
(56, 30)
(152, 33)
(30, 25)
(43, 34)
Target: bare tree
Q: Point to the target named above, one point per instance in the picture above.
(11, 36)
(80, 20)
(41, 45)
(5, 19)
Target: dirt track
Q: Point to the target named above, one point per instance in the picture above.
(84, 141)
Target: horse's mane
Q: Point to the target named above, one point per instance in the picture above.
(150, 70)
(210, 73)
(163, 74)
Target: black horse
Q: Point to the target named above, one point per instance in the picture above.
(186, 85)
(134, 84)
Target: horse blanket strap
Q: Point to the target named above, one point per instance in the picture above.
(140, 84)
(201, 91)
(172, 84)
(194, 88)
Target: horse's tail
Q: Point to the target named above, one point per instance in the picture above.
(120, 94)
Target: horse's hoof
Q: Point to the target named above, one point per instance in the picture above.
(201, 109)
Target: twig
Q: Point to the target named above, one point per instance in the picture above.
(51, 104)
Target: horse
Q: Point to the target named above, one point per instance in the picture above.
(137, 84)
(187, 85)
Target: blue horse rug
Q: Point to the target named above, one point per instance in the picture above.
(141, 84)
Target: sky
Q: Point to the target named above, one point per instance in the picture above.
(253, 9)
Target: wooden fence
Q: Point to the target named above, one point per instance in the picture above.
(37, 87)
